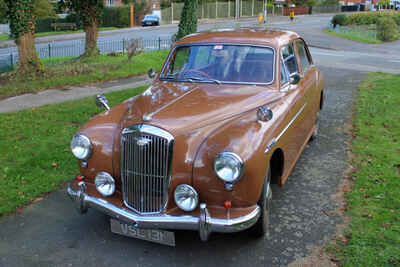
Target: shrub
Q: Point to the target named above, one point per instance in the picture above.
(386, 29)
(116, 17)
(340, 19)
(365, 18)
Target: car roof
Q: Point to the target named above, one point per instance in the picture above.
(274, 38)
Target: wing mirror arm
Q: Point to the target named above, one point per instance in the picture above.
(102, 102)
(295, 78)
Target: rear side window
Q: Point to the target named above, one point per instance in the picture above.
(304, 58)
(289, 59)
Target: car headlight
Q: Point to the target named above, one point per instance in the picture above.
(186, 197)
(229, 167)
(81, 146)
(105, 184)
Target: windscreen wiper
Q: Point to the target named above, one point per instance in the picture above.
(192, 79)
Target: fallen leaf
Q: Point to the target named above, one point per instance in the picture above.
(37, 200)
(23, 182)
(367, 196)
(346, 188)
(327, 213)
(386, 225)
(54, 164)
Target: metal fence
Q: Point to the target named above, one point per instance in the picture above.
(355, 31)
(218, 9)
(77, 48)
(4, 28)
(326, 9)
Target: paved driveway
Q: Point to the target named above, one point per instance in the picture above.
(51, 233)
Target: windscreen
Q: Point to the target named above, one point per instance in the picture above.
(221, 63)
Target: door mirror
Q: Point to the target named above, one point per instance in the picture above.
(151, 73)
(295, 78)
(102, 102)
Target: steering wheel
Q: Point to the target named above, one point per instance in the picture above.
(202, 73)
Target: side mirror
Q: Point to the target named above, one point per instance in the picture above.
(151, 73)
(295, 78)
(102, 102)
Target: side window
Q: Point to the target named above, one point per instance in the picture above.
(284, 75)
(289, 59)
(304, 59)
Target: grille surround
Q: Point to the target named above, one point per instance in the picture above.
(146, 161)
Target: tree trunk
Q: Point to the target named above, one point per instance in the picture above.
(91, 40)
(29, 62)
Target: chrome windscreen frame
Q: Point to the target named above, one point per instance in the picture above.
(151, 130)
(222, 82)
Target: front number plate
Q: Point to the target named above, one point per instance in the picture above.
(153, 235)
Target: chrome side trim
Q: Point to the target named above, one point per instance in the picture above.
(276, 139)
(205, 224)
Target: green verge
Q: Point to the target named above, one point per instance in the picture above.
(352, 36)
(373, 237)
(34, 145)
(6, 37)
(61, 72)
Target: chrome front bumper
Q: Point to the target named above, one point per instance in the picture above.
(205, 224)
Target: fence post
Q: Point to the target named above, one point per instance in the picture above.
(12, 60)
(159, 43)
(216, 9)
(49, 50)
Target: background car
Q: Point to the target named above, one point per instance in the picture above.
(228, 115)
(151, 20)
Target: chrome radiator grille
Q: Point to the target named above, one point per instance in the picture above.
(146, 156)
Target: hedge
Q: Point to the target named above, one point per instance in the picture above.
(365, 18)
(116, 17)
(386, 29)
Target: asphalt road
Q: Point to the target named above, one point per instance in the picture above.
(51, 233)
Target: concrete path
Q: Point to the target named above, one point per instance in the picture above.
(52, 96)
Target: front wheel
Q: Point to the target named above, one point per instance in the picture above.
(262, 225)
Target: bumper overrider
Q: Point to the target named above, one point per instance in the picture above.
(204, 223)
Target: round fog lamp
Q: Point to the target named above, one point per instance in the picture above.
(186, 197)
(105, 184)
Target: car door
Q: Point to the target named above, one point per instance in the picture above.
(309, 84)
(292, 126)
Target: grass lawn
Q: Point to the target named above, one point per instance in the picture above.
(373, 237)
(5, 37)
(353, 36)
(61, 72)
(35, 154)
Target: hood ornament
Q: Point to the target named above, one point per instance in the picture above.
(146, 118)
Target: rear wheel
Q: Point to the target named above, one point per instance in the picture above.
(262, 225)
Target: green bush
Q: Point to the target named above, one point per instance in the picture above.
(44, 25)
(340, 19)
(387, 29)
(120, 16)
(365, 18)
(116, 17)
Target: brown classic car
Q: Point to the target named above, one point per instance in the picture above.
(229, 113)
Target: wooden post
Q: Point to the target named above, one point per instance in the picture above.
(132, 16)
